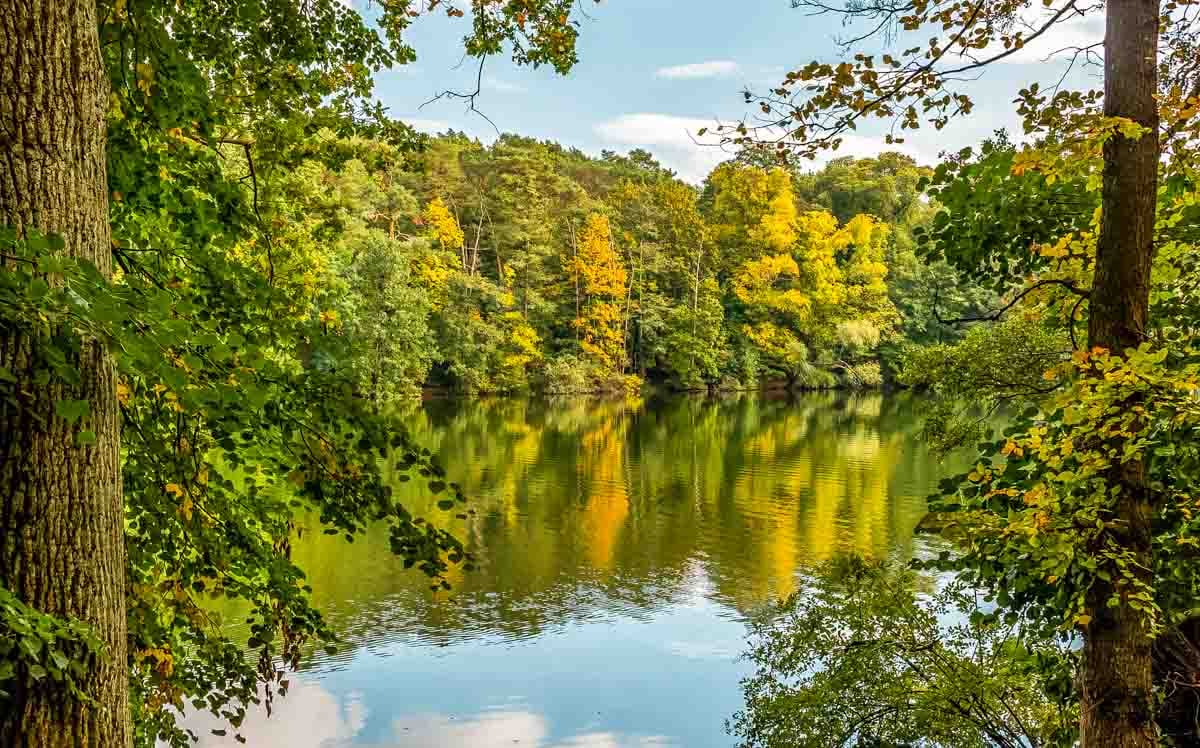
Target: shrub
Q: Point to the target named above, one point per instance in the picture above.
(859, 658)
(866, 375)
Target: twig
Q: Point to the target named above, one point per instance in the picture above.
(468, 97)
(261, 224)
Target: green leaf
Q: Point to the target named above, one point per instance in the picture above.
(72, 411)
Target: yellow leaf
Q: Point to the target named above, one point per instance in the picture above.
(164, 661)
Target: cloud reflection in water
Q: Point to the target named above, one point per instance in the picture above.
(312, 717)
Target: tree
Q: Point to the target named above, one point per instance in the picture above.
(886, 186)
(61, 516)
(777, 310)
(167, 91)
(750, 211)
(695, 337)
(387, 315)
(921, 83)
(444, 229)
(866, 655)
(602, 280)
(1117, 682)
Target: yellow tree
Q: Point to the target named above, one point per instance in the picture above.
(776, 310)
(442, 225)
(601, 279)
(751, 212)
(843, 272)
(796, 301)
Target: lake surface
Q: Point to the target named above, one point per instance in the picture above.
(620, 546)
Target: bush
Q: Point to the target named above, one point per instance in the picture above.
(810, 377)
(867, 375)
(860, 658)
(569, 374)
(748, 367)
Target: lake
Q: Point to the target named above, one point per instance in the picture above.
(620, 547)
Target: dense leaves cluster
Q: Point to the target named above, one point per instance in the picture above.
(1040, 521)
(870, 654)
(528, 265)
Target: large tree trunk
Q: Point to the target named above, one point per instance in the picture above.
(61, 517)
(1117, 709)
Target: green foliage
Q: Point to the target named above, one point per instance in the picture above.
(886, 186)
(864, 656)
(282, 279)
(892, 188)
(485, 343)
(1038, 513)
(992, 214)
(538, 251)
(867, 375)
(1038, 510)
(695, 345)
(35, 647)
(242, 381)
(386, 316)
(227, 433)
(568, 374)
(993, 365)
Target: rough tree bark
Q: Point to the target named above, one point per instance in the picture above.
(1117, 708)
(61, 518)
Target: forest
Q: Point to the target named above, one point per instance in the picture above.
(525, 265)
(227, 273)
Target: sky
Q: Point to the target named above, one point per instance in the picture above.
(651, 73)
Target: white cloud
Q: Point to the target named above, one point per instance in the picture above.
(708, 69)
(502, 86)
(486, 730)
(701, 651)
(673, 140)
(1057, 43)
(503, 728)
(611, 740)
(430, 126)
(309, 717)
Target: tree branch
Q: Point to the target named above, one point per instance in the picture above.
(469, 96)
(999, 313)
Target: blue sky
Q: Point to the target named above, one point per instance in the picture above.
(652, 72)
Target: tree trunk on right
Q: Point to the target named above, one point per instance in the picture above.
(61, 516)
(1117, 703)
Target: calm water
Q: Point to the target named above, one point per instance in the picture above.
(620, 547)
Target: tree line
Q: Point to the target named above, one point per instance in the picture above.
(526, 265)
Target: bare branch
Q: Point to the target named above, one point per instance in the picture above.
(468, 96)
